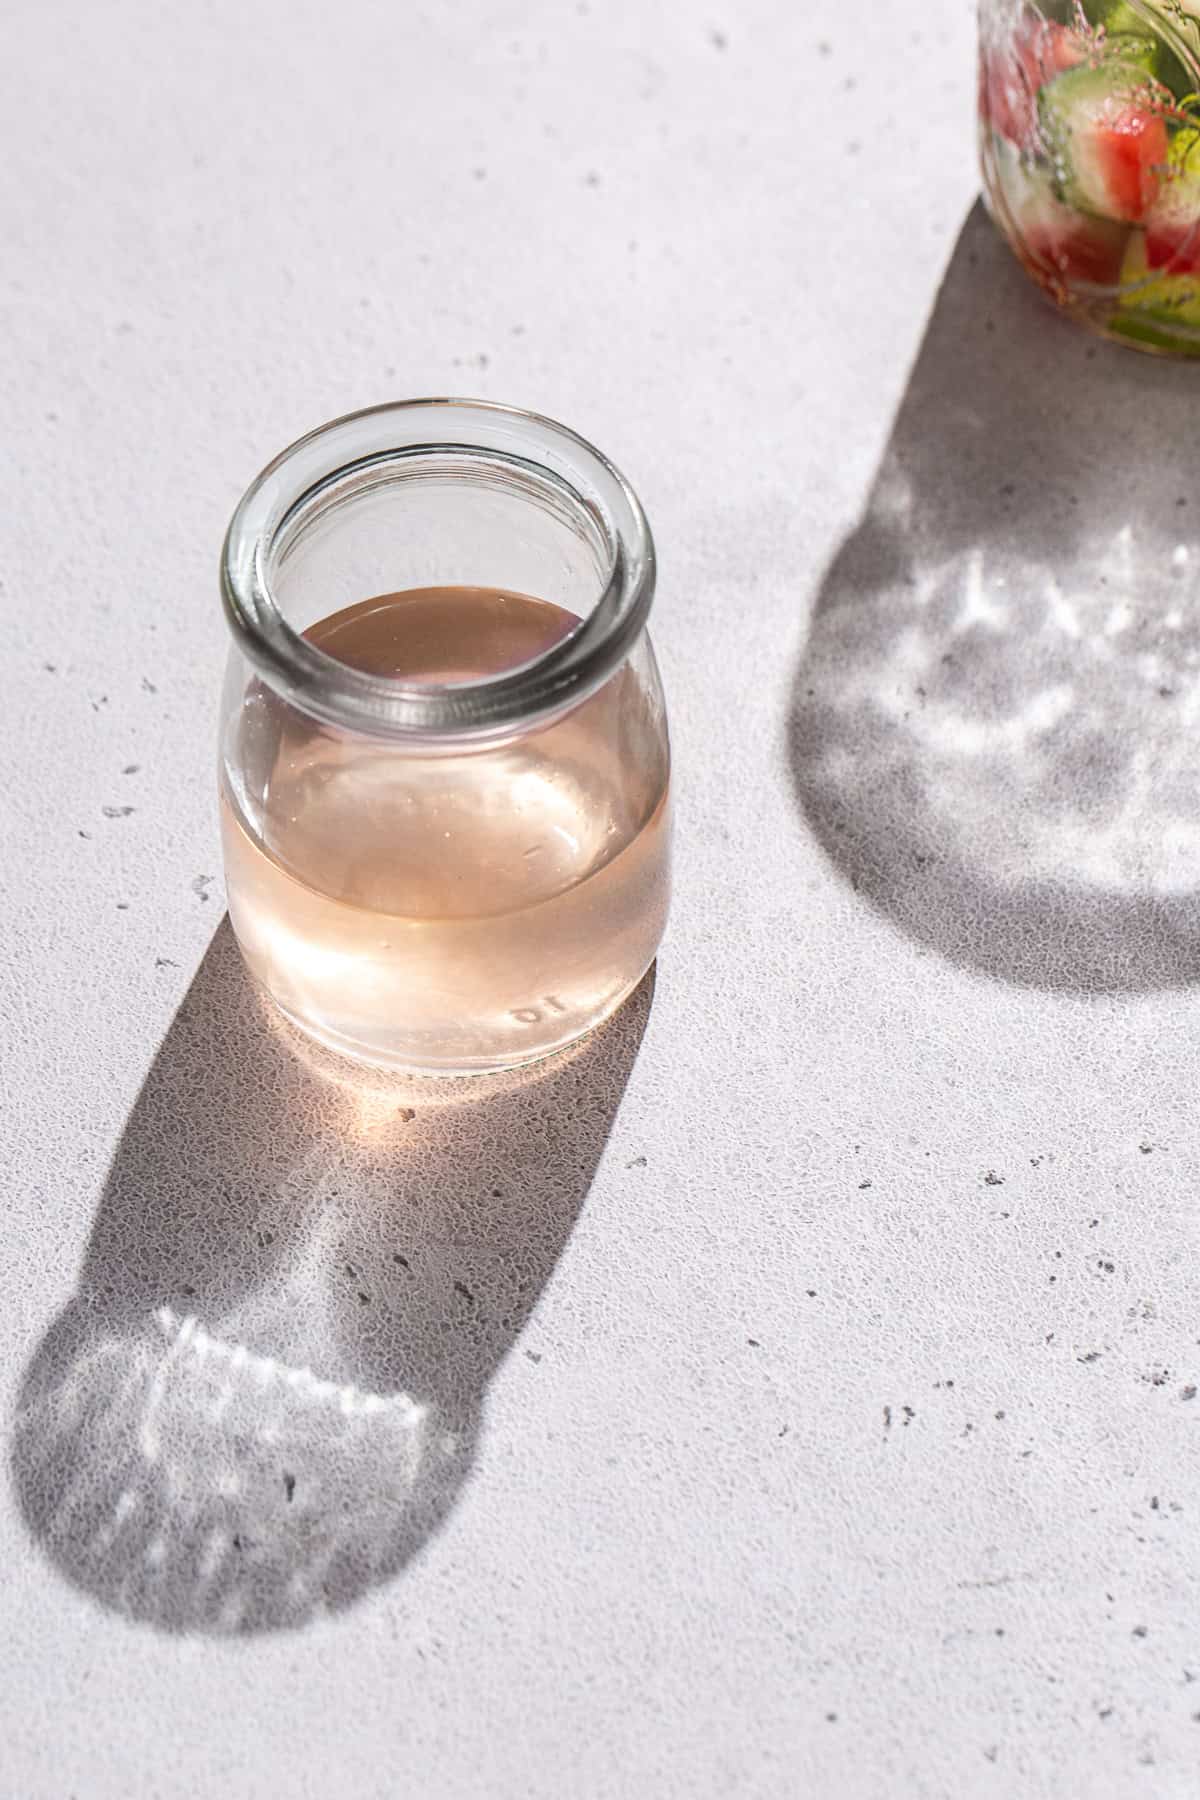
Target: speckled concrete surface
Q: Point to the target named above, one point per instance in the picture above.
(805, 1378)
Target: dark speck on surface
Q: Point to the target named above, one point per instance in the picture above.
(289, 1485)
(200, 886)
(148, 686)
(116, 812)
(351, 1271)
(402, 1260)
(405, 1114)
(993, 1180)
(718, 40)
(753, 1343)
(863, 1184)
(1188, 1393)
(832, 1718)
(364, 1298)
(1108, 1268)
(164, 962)
(811, 1292)
(591, 179)
(1090, 1356)
(824, 48)
(887, 1418)
(1147, 1148)
(533, 1356)
(50, 668)
(1140, 1631)
(639, 1162)
(460, 1287)
(131, 768)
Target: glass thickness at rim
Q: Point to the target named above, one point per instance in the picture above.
(473, 440)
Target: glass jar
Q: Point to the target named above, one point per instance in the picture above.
(444, 752)
(1089, 134)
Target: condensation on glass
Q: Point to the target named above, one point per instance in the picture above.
(444, 755)
(1089, 133)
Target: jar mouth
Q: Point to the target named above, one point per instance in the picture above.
(478, 442)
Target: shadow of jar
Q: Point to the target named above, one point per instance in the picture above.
(265, 1393)
(993, 724)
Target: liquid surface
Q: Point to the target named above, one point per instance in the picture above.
(452, 912)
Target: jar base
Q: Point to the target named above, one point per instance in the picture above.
(349, 1053)
(1102, 285)
(1106, 318)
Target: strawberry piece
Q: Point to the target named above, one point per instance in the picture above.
(1010, 79)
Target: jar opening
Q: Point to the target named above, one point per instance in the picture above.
(427, 494)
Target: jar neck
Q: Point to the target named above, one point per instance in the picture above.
(437, 493)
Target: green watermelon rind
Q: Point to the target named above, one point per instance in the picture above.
(1066, 103)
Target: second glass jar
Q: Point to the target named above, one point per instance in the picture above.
(444, 750)
(1089, 121)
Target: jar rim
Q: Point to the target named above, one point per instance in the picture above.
(388, 435)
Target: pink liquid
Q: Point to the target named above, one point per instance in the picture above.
(463, 911)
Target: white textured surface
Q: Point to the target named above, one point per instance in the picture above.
(821, 1400)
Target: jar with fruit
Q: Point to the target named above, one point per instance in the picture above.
(1089, 134)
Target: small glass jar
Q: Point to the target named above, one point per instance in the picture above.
(444, 752)
(1089, 136)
